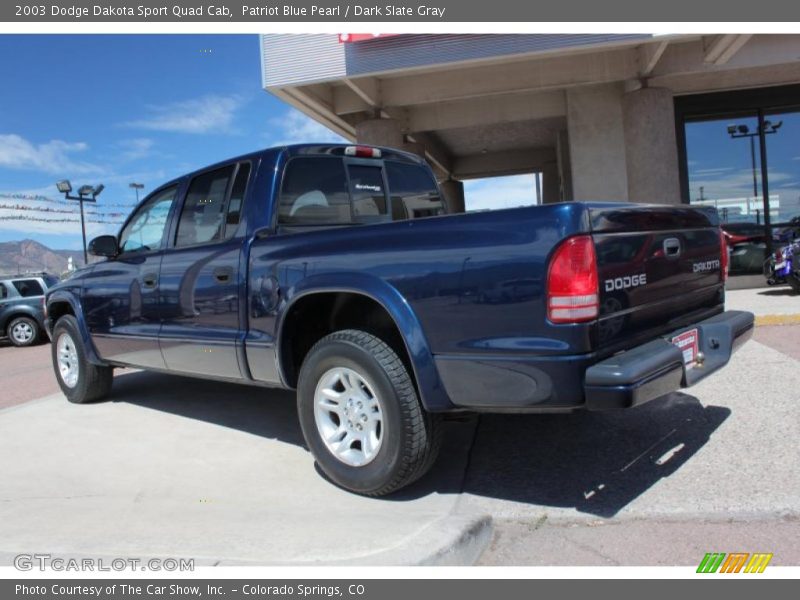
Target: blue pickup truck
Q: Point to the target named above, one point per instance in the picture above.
(335, 270)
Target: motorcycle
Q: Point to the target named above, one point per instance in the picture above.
(784, 266)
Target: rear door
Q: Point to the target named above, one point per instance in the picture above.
(200, 290)
(657, 267)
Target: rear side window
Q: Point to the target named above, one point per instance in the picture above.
(203, 215)
(28, 287)
(3, 291)
(413, 192)
(314, 192)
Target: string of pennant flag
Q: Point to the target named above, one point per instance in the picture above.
(36, 203)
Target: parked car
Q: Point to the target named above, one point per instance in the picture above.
(334, 270)
(22, 307)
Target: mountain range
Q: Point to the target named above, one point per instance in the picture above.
(28, 256)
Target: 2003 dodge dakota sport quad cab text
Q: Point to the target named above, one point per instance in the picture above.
(334, 270)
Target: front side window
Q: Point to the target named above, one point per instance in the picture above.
(28, 287)
(146, 229)
(413, 191)
(314, 192)
(203, 215)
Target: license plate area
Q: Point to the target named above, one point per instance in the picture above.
(688, 343)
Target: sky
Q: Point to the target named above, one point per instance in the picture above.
(120, 109)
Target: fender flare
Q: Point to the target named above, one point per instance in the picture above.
(64, 296)
(432, 392)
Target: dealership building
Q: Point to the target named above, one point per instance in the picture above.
(709, 119)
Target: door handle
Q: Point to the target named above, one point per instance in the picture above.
(150, 280)
(223, 274)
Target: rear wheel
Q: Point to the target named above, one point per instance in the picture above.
(361, 417)
(80, 380)
(23, 331)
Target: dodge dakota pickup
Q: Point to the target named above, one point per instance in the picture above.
(334, 270)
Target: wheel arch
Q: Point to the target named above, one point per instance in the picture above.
(20, 311)
(60, 303)
(335, 292)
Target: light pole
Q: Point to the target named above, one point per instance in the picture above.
(743, 131)
(86, 193)
(137, 187)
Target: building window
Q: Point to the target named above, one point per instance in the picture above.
(725, 136)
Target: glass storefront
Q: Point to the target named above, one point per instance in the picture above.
(741, 154)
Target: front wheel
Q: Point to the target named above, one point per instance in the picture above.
(361, 417)
(80, 380)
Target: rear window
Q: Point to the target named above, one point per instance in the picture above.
(413, 192)
(366, 190)
(28, 287)
(314, 192)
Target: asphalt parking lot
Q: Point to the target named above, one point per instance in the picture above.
(217, 472)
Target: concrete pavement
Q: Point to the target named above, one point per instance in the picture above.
(186, 468)
(764, 302)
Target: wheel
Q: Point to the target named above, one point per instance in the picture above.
(361, 417)
(794, 281)
(80, 380)
(23, 331)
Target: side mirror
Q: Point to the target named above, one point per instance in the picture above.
(104, 245)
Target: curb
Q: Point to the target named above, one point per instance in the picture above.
(788, 319)
(449, 541)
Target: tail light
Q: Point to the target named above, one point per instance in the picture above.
(572, 292)
(724, 256)
(362, 151)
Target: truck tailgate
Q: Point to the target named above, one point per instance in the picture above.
(658, 268)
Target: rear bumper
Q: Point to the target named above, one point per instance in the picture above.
(654, 369)
(489, 383)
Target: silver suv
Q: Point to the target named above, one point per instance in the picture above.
(22, 307)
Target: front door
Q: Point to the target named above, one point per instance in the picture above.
(200, 288)
(120, 297)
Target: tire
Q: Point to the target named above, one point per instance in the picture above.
(80, 380)
(378, 405)
(23, 331)
(794, 281)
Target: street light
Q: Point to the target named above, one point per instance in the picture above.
(743, 131)
(137, 187)
(86, 193)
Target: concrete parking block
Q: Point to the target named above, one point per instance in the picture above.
(185, 468)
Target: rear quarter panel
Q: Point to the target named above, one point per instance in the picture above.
(472, 282)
